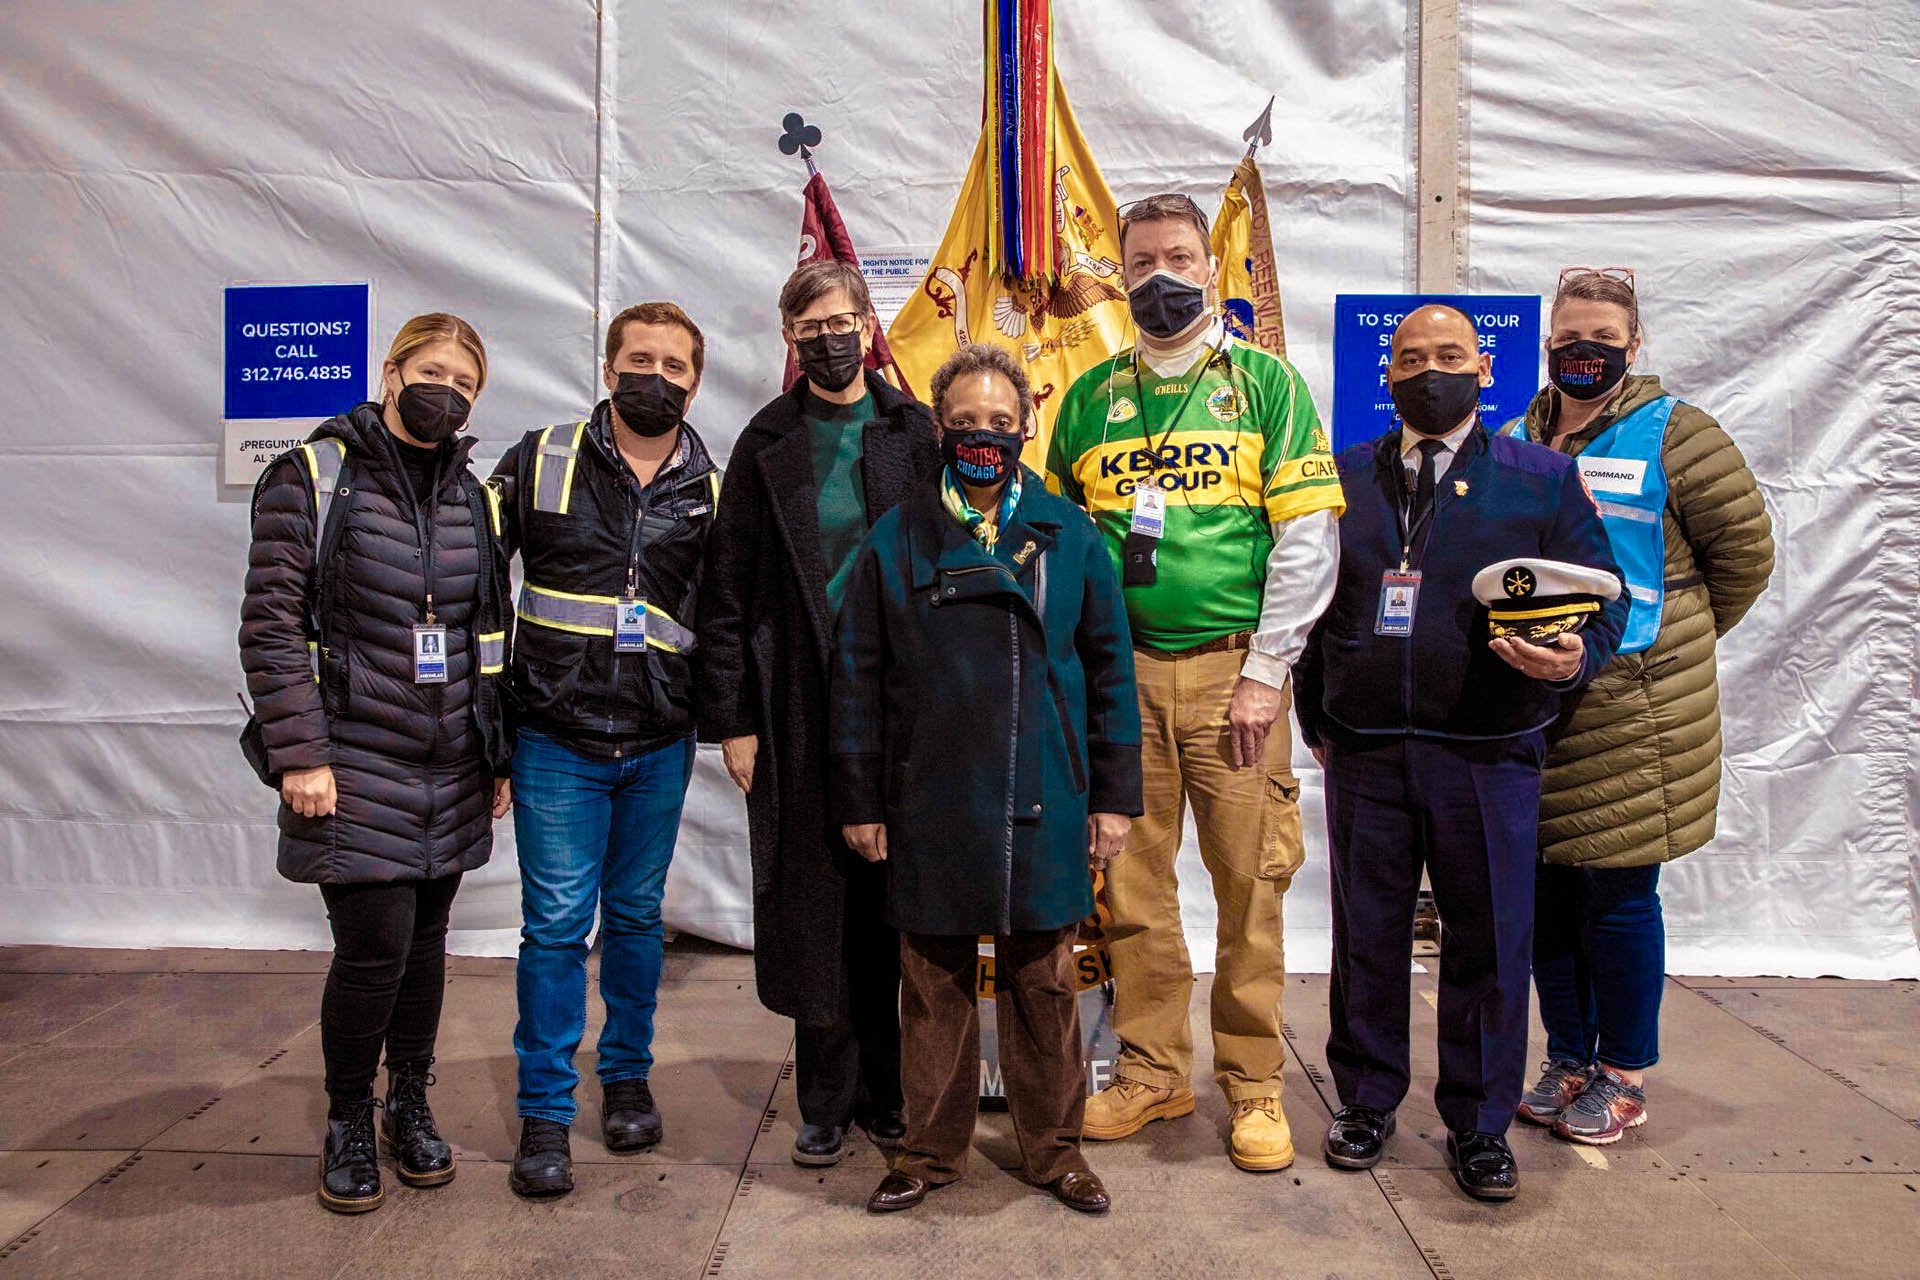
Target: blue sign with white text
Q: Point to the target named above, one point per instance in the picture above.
(296, 350)
(1363, 325)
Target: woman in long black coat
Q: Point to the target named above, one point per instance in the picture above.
(372, 639)
(823, 952)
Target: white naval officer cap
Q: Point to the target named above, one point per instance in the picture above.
(1538, 600)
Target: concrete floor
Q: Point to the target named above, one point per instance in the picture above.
(159, 1113)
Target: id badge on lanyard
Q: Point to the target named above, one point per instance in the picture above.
(1399, 597)
(630, 626)
(1150, 511)
(429, 653)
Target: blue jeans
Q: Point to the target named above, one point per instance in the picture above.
(590, 831)
(1599, 963)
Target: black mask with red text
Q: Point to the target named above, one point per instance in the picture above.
(1586, 370)
(981, 458)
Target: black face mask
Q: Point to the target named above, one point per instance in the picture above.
(831, 361)
(432, 411)
(981, 458)
(1165, 304)
(1434, 402)
(648, 404)
(1586, 370)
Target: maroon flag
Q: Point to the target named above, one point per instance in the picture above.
(824, 236)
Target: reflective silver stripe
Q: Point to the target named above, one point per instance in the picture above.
(1646, 595)
(594, 615)
(493, 652)
(324, 460)
(1620, 512)
(553, 468)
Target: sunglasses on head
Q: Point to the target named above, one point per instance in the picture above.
(1622, 274)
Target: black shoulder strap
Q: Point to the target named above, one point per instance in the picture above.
(328, 539)
(486, 527)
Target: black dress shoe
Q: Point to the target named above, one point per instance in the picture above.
(628, 1119)
(1081, 1190)
(421, 1157)
(887, 1129)
(1483, 1165)
(820, 1145)
(1358, 1136)
(349, 1162)
(897, 1191)
(543, 1164)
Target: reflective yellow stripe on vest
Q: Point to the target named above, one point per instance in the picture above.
(324, 458)
(493, 652)
(594, 616)
(553, 463)
(491, 489)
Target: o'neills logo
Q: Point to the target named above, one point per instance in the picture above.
(1582, 373)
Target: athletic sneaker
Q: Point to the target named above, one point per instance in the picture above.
(1605, 1110)
(1559, 1084)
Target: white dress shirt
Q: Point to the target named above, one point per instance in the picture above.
(1450, 442)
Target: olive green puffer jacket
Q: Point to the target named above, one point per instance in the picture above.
(1633, 776)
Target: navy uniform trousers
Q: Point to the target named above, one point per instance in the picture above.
(1467, 812)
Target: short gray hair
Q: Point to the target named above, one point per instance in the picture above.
(980, 357)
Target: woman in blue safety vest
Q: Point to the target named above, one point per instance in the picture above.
(1633, 777)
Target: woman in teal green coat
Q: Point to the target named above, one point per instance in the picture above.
(985, 744)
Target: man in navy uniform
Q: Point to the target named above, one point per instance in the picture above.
(1432, 737)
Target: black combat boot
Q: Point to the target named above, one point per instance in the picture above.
(421, 1157)
(349, 1163)
(629, 1120)
(543, 1165)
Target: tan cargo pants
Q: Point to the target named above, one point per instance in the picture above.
(1249, 827)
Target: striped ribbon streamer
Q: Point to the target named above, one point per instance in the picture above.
(1019, 120)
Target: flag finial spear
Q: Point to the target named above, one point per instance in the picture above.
(1258, 134)
(799, 137)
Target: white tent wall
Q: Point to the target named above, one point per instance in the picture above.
(1758, 164)
(451, 153)
(150, 155)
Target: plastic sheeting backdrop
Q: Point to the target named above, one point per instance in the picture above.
(456, 156)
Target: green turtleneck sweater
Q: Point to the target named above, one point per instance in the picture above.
(834, 435)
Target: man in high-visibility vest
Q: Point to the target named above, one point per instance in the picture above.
(1205, 466)
(610, 519)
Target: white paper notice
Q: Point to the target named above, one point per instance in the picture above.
(893, 273)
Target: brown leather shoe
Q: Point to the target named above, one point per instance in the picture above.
(1081, 1190)
(897, 1191)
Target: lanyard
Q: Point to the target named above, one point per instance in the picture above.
(1180, 410)
(1403, 502)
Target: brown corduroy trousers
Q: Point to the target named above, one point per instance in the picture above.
(1037, 1004)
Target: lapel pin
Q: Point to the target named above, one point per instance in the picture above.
(1459, 488)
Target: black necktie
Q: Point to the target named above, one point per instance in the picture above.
(1423, 487)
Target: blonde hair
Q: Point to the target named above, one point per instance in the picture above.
(439, 326)
(1592, 286)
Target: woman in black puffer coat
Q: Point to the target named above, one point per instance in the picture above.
(373, 684)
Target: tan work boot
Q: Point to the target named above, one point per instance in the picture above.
(1261, 1142)
(1124, 1107)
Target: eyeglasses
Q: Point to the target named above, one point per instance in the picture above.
(840, 326)
(1623, 275)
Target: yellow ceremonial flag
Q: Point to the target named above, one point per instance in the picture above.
(1249, 280)
(1059, 326)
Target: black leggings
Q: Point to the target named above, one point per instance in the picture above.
(387, 978)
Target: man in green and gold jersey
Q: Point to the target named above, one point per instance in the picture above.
(1205, 466)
